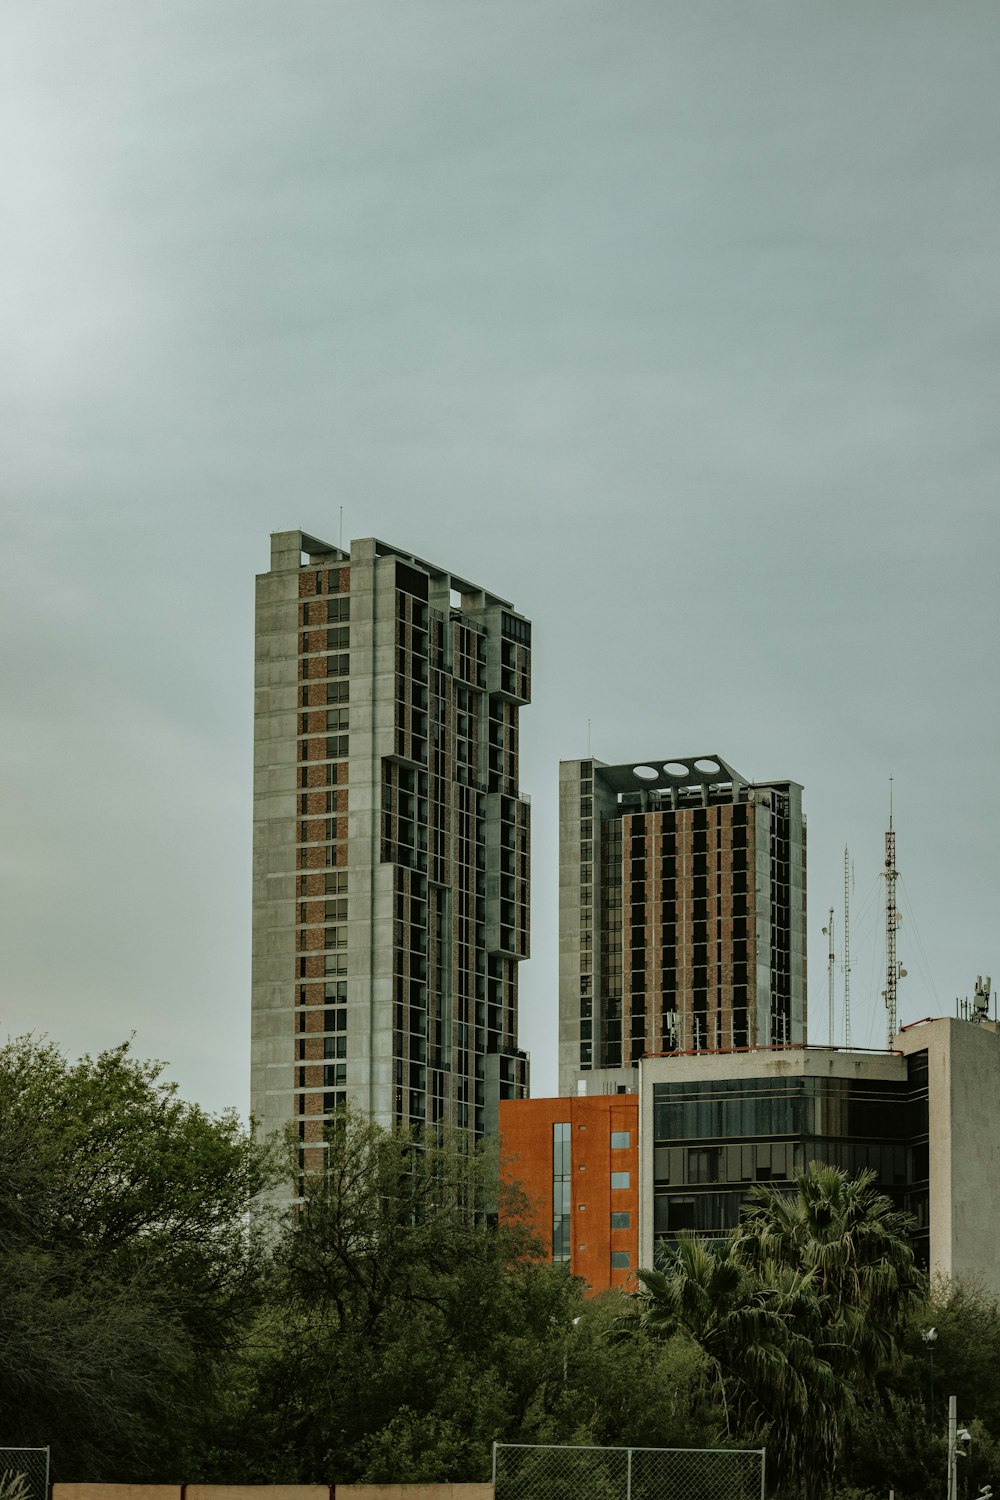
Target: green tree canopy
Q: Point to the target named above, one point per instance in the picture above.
(412, 1323)
(799, 1311)
(761, 1330)
(127, 1256)
(853, 1243)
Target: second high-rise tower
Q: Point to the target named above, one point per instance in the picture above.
(682, 915)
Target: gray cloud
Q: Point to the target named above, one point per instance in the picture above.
(677, 325)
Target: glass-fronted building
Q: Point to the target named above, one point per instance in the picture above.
(714, 1138)
(714, 1127)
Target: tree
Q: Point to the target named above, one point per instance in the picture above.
(799, 1311)
(634, 1391)
(412, 1324)
(900, 1437)
(760, 1328)
(854, 1245)
(406, 1327)
(393, 1214)
(127, 1259)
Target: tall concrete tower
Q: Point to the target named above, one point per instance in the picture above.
(391, 859)
(682, 915)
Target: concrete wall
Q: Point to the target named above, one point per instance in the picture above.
(116, 1491)
(963, 1105)
(569, 925)
(274, 835)
(370, 883)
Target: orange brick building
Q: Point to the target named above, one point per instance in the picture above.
(577, 1160)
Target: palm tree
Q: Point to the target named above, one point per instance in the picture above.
(761, 1330)
(854, 1245)
(797, 1312)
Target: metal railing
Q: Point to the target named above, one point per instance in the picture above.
(523, 1471)
(24, 1473)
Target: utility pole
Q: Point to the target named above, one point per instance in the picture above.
(847, 948)
(893, 972)
(830, 961)
(957, 1435)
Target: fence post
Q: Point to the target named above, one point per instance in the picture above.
(628, 1478)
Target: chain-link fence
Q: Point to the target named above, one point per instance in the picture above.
(24, 1474)
(537, 1472)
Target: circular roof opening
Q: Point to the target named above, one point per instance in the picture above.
(676, 768)
(646, 773)
(709, 767)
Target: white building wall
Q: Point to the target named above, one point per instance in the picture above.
(964, 1129)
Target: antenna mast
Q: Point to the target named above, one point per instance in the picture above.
(891, 923)
(847, 948)
(830, 961)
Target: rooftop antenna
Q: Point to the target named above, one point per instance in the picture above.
(830, 960)
(981, 1000)
(847, 948)
(340, 543)
(893, 970)
(588, 739)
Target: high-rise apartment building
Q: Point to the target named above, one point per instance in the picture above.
(682, 915)
(391, 861)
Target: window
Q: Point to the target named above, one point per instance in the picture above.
(619, 1260)
(680, 1214)
(620, 1180)
(704, 1164)
(621, 1221)
(621, 1140)
(561, 1166)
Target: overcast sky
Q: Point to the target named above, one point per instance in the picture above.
(676, 324)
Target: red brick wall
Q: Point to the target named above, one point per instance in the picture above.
(526, 1144)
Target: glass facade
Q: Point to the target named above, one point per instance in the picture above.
(562, 1183)
(713, 1140)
